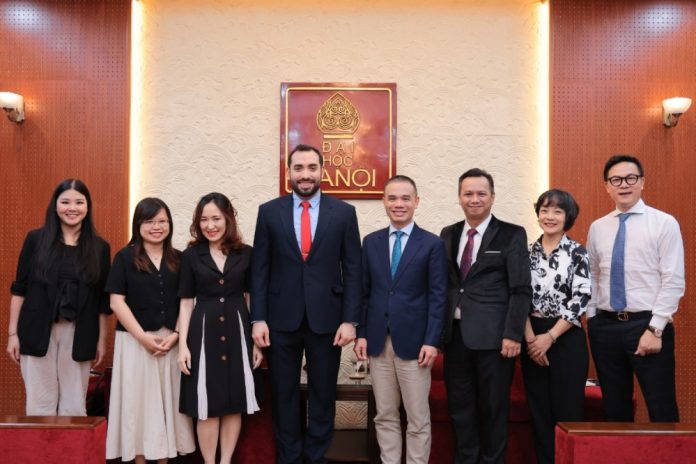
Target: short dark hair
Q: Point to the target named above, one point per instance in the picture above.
(476, 172)
(305, 147)
(560, 199)
(616, 159)
(400, 178)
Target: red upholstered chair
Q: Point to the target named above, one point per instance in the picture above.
(443, 440)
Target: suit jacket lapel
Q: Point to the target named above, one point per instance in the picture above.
(287, 218)
(452, 245)
(491, 231)
(203, 250)
(384, 251)
(232, 258)
(325, 214)
(409, 252)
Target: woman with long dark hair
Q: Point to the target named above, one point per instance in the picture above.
(556, 359)
(144, 421)
(216, 354)
(58, 309)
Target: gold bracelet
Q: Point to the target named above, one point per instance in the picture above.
(553, 339)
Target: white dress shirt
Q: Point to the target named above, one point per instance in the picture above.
(480, 230)
(653, 262)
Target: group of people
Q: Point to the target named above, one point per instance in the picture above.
(193, 326)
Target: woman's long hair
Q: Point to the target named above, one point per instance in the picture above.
(47, 252)
(232, 239)
(146, 209)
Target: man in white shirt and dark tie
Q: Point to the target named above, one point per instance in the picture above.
(637, 267)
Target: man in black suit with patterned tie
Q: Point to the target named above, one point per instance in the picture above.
(489, 299)
(305, 297)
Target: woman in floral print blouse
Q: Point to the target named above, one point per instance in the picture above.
(556, 359)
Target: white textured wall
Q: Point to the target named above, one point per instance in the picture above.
(466, 74)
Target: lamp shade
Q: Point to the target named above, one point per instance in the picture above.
(676, 105)
(11, 100)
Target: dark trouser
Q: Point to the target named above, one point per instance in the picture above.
(555, 393)
(285, 363)
(613, 343)
(478, 398)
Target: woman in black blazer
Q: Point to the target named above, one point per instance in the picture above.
(58, 310)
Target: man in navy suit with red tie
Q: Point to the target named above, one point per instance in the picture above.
(489, 298)
(404, 301)
(305, 297)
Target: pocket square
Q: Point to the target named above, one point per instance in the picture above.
(492, 252)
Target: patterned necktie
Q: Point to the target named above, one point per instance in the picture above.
(465, 262)
(396, 252)
(617, 286)
(305, 231)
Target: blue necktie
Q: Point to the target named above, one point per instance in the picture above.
(396, 252)
(617, 286)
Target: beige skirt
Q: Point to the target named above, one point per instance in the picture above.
(144, 416)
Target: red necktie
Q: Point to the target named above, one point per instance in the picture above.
(465, 263)
(305, 231)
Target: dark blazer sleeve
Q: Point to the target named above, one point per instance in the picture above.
(104, 267)
(351, 267)
(260, 268)
(24, 264)
(365, 298)
(519, 285)
(437, 293)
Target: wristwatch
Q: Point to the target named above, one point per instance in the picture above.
(655, 331)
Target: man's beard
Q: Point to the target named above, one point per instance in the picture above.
(296, 188)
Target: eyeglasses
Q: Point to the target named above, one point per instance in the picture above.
(630, 179)
(152, 222)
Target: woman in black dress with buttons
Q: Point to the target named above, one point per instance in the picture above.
(216, 354)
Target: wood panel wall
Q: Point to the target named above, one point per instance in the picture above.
(70, 61)
(612, 63)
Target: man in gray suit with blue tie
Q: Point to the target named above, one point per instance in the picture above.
(404, 300)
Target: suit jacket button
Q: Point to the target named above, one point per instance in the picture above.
(222, 281)
(222, 318)
(222, 300)
(391, 292)
(222, 339)
(223, 357)
(461, 290)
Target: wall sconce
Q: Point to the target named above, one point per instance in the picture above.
(672, 108)
(13, 104)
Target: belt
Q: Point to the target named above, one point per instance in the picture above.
(624, 316)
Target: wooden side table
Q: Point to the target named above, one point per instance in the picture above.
(352, 445)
